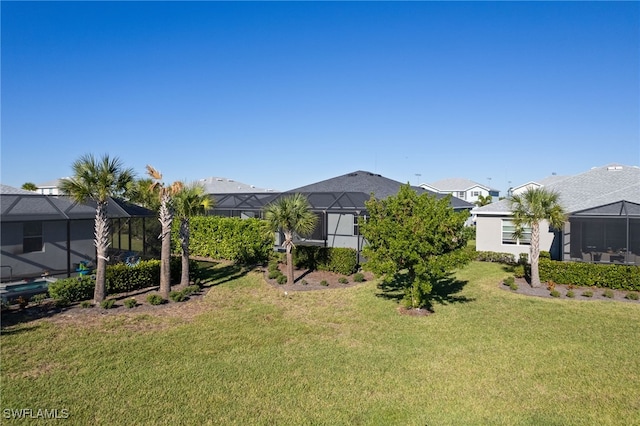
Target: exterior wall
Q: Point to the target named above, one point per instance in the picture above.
(340, 231)
(489, 237)
(53, 257)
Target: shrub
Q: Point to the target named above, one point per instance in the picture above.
(274, 274)
(616, 277)
(107, 303)
(189, 290)
(571, 294)
(334, 259)
(513, 286)
(155, 299)
(554, 293)
(587, 293)
(509, 280)
(523, 258)
(359, 277)
(177, 296)
(72, 289)
(282, 279)
(304, 282)
(343, 280)
(86, 304)
(492, 256)
(608, 293)
(324, 283)
(39, 298)
(519, 271)
(130, 303)
(632, 296)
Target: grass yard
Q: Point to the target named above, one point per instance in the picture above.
(342, 356)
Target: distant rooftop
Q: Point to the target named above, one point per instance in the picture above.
(220, 185)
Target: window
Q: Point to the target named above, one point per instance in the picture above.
(508, 228)
(356, 226)
(475, 193)
(462, 195)
(31, 237)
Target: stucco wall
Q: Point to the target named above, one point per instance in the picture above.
(489, 236)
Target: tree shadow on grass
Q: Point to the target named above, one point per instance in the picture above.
(444, 291)
(213, 274)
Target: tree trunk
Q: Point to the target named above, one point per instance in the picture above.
(535, 254)
(184, 242)
(165, 253)
(102, 244)
(288, 244)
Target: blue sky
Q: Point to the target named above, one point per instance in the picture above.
(283, 94)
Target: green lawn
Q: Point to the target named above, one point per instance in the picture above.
(255, 356)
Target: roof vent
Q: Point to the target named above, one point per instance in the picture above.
(230, 180)
(352, 174)
(614, 168)
(219, 179)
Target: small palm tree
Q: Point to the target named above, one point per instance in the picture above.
(529, 209)
(165, 216)
(190, 201)
(98, 180)
(483, 200)
(291, 215)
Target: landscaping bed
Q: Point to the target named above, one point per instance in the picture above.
(580, 293)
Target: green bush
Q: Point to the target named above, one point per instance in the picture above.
(571, 294)
(244, 241)
(304, 282)
(130, 303)
(107, 303)
(177, 296)
(554, 293)
(492, 256)
(513, 286)
(324, 283)
(359, 277)
(274, 274)
(587, 293)
(334, 259)
(72, 289)
(155, 299)
(86, 304)
(39, 298)
(509, 280)
(189, 290)
(616, 277)
(282, 279)
(519, 271)
(608, 293)
(632, 296)
(343, 280)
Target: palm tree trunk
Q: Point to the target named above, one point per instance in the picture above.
(184, 242)
(535, 254)
(288, 244)
(102, 244)
(165, 252)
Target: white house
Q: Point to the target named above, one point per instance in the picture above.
(464, 189)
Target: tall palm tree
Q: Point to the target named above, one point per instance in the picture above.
(98, 180)
(190, 201)
(290, 215)
(165, 216)
(483, 200)
(529, 209)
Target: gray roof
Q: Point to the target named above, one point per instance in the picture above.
(219, 185)
(6, 189)
(457, 184)
(368, 183)
(597, 187)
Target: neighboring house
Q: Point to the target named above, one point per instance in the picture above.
(338, 203)
(464, 189)
(531, 184)
(220, 185)
(42, 234)
(603, 222)
(49, 188)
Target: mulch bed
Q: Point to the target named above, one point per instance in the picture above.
(313, 280)
(598, 293)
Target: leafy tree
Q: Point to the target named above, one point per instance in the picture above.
(143, 192)
(98, 180)
(413, 241)
(190, 201)
(29, 186)
(290, 215)
(529, 209)
(165, 216)
(483, 200)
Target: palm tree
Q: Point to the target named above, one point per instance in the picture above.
(529, 209)
(290, 215)
(98, 180)
(190, 201)
(138, 192)
(483, 201)
(165, 216)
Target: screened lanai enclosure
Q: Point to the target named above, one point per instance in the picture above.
(605, 234)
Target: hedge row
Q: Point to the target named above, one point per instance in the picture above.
(120, 278)
(617, 277)
(334, 259)
(245, 241)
